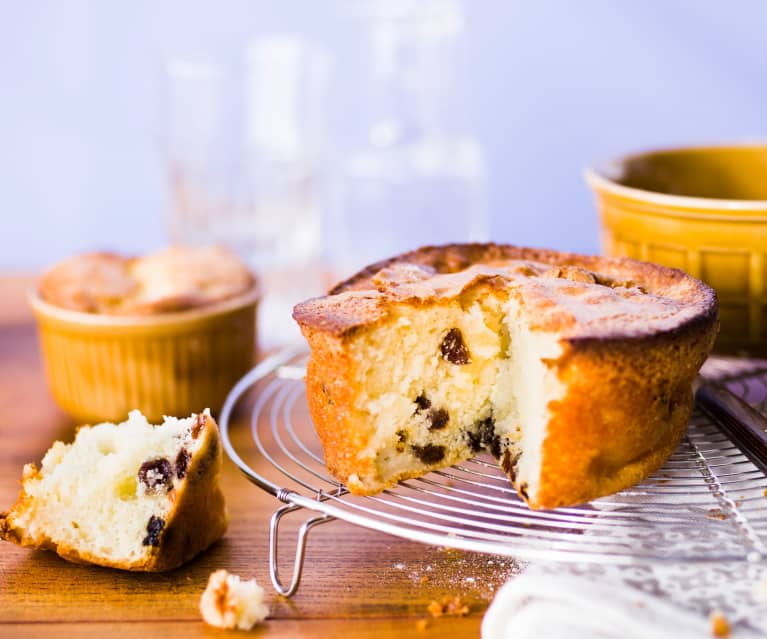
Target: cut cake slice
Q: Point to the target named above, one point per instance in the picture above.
(132, 496)
(573, 371)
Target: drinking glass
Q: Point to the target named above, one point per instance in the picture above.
(244, 155)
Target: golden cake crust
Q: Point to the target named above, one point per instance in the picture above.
(448, 271)
(628, 374)
(197, 518)
(174, 279)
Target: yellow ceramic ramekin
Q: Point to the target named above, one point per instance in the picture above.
(99, 367)
(700, 209)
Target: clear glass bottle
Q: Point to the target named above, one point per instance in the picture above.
(414, 181)
(245, 153)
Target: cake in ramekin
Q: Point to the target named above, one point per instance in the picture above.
(168, 333)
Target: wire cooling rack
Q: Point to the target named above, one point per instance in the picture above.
(707, 504)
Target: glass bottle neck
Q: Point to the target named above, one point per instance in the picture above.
(410, 81)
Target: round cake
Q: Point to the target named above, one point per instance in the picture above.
(575, 372)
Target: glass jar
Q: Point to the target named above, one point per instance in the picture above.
(416, 179)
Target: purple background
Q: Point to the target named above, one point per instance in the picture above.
(548, 87)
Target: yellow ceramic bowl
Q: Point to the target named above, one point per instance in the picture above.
(703, 210)
(99, 367)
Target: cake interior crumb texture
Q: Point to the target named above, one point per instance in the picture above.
(421, 403)
(112, 495)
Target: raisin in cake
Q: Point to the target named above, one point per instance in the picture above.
(575, 372)
(132, 495)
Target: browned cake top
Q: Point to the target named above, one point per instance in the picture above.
(174, 279)
(579, 296)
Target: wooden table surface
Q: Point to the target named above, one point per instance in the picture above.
(356, 583)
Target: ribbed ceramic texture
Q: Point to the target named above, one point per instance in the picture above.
(702, 210)
(101, 372)
(728, 254)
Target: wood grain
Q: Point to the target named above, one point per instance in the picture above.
(356, 582)
(453, 628)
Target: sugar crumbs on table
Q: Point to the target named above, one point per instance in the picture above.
(424, 579)
(719, 625)
(469, 574)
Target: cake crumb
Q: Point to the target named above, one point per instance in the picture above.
(719, 625)
(452, 606)
(715, 513)
(424, 579)
(229, 602)
(422, 625)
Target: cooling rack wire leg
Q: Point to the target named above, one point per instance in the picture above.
(298, 562)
